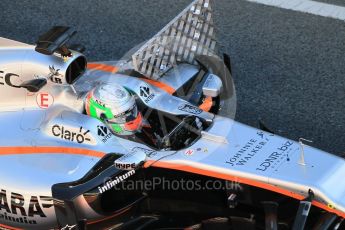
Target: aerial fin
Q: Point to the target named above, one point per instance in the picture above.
(191, 33)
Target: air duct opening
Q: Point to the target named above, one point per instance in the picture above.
(75, 69)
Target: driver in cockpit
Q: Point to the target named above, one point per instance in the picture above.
(116, 107)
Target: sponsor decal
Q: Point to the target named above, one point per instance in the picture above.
(99, 102)
(44, 100)
(73, 136)
(249, 150)
(146, 93)
(124, 166)
(205, 150)
(7, 79)
(275, 157)
(190, 109)
(131, 160)
(15, 207)
(117, 180)
(54, 75)
(189, 152)
(104, 133)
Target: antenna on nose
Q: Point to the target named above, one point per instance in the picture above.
(301, 158)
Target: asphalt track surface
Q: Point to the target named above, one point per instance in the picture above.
(288, 66)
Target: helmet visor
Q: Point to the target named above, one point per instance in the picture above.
(127, 116)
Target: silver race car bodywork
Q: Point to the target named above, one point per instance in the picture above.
(47, 140)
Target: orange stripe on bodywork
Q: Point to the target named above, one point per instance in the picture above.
(49, 150)
(161, 85)
(219, 175)
(207, 104)
(109, 217)
(9, 227)
(102, 67)
(161, 164)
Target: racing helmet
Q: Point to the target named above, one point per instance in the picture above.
(115, 105)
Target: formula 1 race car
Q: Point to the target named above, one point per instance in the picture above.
(65, 165)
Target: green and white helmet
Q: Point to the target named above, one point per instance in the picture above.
(115, 105)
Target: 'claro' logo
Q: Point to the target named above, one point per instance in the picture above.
(78, 135)
(8, 79)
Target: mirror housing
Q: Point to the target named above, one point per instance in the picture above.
(212, 86)
(34, 85)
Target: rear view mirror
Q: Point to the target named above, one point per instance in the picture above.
(55, 41)
(213, 86)
(34, 85)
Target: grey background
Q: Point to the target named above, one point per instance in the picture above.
(288, 66)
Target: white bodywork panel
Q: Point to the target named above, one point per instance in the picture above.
(44, 145)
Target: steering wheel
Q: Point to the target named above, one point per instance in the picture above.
(183, 134)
